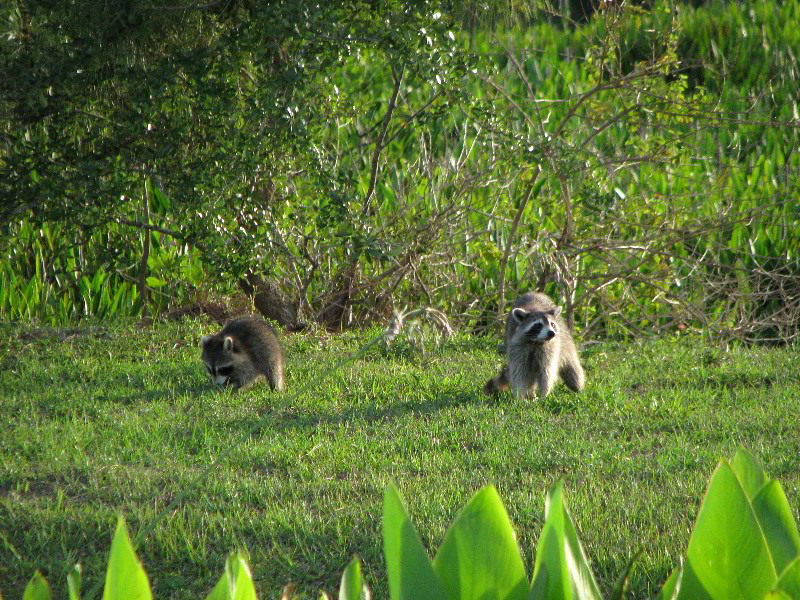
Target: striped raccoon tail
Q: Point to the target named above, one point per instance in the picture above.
(497, 384)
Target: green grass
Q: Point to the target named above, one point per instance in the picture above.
(113, 419)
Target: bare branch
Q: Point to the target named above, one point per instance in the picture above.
(398, 79)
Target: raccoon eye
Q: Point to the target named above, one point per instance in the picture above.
(534, 330)
(225, 371)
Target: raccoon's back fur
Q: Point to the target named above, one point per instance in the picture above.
(539, 349)
(246, 351)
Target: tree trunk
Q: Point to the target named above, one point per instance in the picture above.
(270, 302)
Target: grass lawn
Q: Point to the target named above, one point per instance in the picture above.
(113, 419)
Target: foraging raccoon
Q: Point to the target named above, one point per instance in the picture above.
(245, 352)
(539, 348)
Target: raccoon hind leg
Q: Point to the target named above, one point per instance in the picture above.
(275, 378)
(497, 384)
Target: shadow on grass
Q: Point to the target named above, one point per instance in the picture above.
(286, 417)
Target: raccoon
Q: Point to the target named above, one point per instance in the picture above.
(245, 352)
(539, 348)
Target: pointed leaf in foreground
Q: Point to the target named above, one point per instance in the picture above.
(775, 517)
(125, 577)
(244, 588)
(690, 586)
(223, 590)
(749, 472)
(789, 581)
(479, 557)
(672, 586)
(561, 567)
(727, 551)
(236, 582)
(37, 588)
(350, 587)
(584, 586)
(550, 577)
(409, 569)
(74, 583)
(550, 572)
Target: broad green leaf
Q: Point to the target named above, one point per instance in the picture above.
(159, 202)
(84, 286)
(116, 299)
(479, 557)
(125, 578)
(74, 583)
(749, 472)
(727, 551)
(689, 586)
(223, 590)
(539, 583)
(351, 586)
(236, 582)
(409, 569)
(97, 281)
(155, 282)
(789, 581)
(561, 567)
(584, 586)
(775, 517)
(538, 187)
(672, 586)
(550, 578)
(37, 588)
(245, 588)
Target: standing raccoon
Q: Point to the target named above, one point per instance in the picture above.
(539, 348)
(245, 352)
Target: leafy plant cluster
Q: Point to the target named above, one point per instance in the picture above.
(363, 158)
(668, 207)
(745, 544)
(54, 275)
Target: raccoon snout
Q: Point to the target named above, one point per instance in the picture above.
(551, 334)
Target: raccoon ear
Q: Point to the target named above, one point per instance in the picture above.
(556, 311)
(228, 343)
(519, 314)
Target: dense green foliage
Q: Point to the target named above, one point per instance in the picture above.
(375, 155)
(118, 419)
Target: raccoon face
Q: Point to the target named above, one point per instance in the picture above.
(222, 356)
(537, 327)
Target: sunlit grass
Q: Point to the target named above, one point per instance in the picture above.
(115, 419)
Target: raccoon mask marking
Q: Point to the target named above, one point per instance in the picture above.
(218, 358)
(537, 327)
